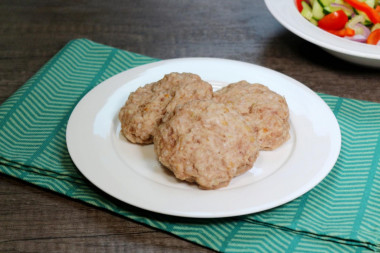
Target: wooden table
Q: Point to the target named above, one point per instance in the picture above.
(31, 32)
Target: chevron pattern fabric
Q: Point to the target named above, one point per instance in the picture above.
(341, 214)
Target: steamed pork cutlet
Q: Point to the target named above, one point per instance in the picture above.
(145, 107)
(206, 142)
(265, 110)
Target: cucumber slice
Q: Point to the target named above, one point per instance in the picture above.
(327, 10)
(306, 11)
(371, 3)
(317, 11)
(314, 22)
(367, 21)
(375, 27)
(325, 3)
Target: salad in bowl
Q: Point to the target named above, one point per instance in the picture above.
(357, 20)
(351, 29)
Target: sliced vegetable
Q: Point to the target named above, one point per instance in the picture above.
(345, 32)
(306, 11)
(343, 6)
(362, 30)
(367, 21)
(333, 21)
(357, 37)
(371, 3)
(377, 26)
(373, 15)
(356, 20)
(374, 37)
(356, 23)
(299, 5)
(324, 3)
(317, 11)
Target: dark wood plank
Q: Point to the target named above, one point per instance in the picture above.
(36, 220)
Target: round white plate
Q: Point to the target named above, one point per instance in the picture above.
(286, 13)
(132, 174)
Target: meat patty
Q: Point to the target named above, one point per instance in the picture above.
(145, 107)
(266, 111)
(206, 142)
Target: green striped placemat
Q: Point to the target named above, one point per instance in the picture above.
(341, 214)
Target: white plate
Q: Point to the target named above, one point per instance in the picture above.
(131, 173)
(286, 13)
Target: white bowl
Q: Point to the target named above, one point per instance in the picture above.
(286, 13)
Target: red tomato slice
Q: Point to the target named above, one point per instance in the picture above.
(374, 37)
(299, 5)
(342, 32)
(334, 21)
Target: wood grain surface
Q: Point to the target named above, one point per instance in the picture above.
(31, 32)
